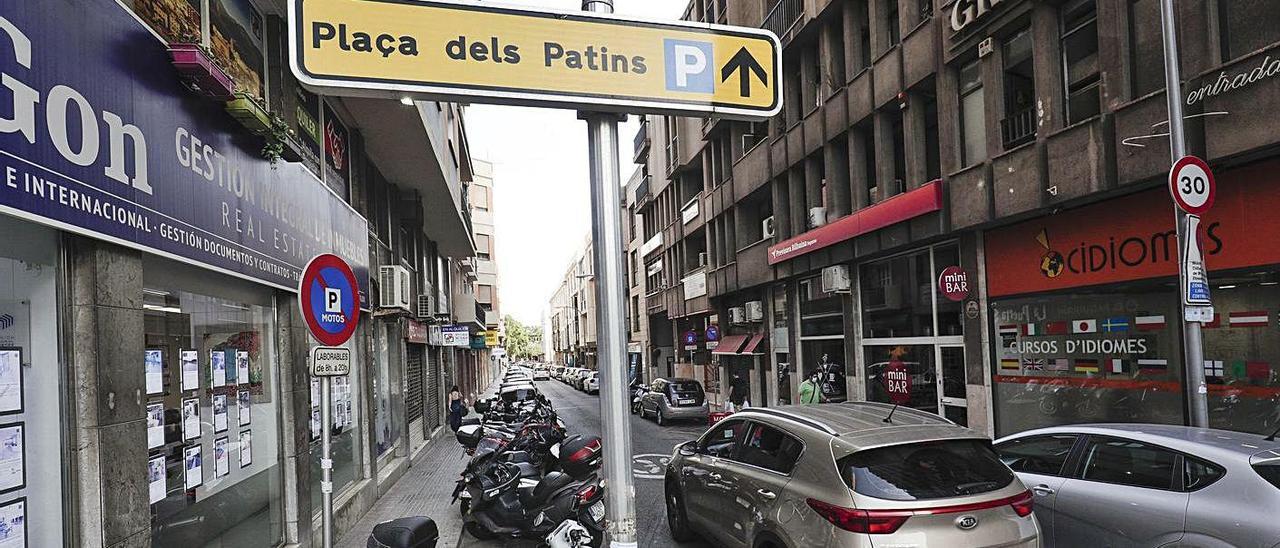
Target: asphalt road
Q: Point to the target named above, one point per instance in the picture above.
(651, 446)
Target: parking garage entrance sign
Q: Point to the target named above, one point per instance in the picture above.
(474, 52)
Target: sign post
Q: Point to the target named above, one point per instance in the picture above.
(591, 60)
(1196, 391)
(897, 382)
(330, 301)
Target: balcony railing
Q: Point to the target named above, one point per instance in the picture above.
(641, 143)
(1018, 128)
(783, 15)
(642, 191)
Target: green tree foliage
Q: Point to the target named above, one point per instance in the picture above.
(523, 341)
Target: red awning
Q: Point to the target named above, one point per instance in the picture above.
(730, 344)
(750, 348)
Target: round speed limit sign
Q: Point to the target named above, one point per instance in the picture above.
(1191, 183)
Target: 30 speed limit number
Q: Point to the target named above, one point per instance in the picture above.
(1191, 183)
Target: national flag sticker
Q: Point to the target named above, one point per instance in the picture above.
(1149, 323)
(1257, 318)
(1084, 326)
(1118, 365)
(1030, 329)
(1153, 367)
(1010, 364)
(1214, 369)
(1115, 324)
(1086, 366)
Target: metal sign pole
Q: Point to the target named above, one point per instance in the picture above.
(1195, 390)
(326, 463)
(611, 299)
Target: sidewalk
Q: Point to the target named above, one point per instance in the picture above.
(426, 489)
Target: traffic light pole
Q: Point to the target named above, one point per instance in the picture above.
(611, 299)
(1195, 389)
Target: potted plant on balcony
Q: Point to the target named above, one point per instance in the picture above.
(251, 113)
(198, 70)
(277, 143)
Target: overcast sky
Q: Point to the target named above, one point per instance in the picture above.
(542, 201)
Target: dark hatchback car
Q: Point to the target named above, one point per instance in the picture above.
(671, 399)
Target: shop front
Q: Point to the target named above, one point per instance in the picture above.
(905, 319)
(147, 310)
(1085, 311)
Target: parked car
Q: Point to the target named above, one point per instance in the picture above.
(838, 475)
(591, 383)
(671, 399)
(541, 374)
(1193, 486)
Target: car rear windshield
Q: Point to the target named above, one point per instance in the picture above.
(921, 471)
(686, 387)
(518, 395)
(1270, 472)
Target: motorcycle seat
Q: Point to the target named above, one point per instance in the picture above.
(549, 486)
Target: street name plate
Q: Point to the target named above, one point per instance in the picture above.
(481, 52)
(330, 361)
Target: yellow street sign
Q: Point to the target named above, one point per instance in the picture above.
(491, 339)
(481, 52)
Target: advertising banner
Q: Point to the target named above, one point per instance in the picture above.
(105, 141)
(456, 335)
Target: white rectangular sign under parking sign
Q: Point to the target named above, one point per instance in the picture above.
(330, 361)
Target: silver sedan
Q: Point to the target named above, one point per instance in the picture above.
(1149, 485)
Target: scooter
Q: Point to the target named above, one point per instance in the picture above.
(637, 394)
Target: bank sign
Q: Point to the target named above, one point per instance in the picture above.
(98, 137)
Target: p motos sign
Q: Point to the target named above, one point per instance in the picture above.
(329, 299)
(477, 52)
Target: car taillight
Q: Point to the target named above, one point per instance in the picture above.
(883, 522)
(873, 522)
(586, 493)
(1023, 504)
(589, 450)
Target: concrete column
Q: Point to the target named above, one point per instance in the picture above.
(858, 168)
(835, 154)
(109, 437)
(855, 15)
(799, 217)
(295, 404)
(883, 128)
(781, 208)
(877, 13)
(809, 80)
(914, 142)
(1046, 59)
(949, 138)
(993, 92)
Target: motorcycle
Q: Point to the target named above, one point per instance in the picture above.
(637, 394)
(421, 532)
(505, 495)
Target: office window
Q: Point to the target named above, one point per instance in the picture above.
(894, 34)
(973, 127)
(480, 197)
(1146, 49)
(1018, 126)
(484, 247)
(1080, 60)
(1245, 26)
(484, 293)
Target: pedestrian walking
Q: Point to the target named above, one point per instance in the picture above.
(457, 408)
(810, 391)
(738, 393)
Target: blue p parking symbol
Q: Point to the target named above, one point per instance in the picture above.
(690, 66)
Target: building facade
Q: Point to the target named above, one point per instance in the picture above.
(572, 311)
(1015, 146)
(166, 180)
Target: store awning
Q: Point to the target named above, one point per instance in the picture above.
(752, 345)
(730, 344)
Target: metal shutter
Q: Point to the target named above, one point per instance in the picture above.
(432, 403)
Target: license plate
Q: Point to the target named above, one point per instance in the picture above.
(597, 511)
(686, 402)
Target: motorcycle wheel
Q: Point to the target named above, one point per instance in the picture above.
(464, 506)
(476, 530)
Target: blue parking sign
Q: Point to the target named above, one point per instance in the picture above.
(690, 66)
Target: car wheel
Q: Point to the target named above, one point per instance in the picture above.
(662, 419)
(677, 519)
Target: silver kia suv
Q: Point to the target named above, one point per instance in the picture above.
(840, 475)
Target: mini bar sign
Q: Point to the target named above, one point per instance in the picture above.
(477, 52)
(964, 12)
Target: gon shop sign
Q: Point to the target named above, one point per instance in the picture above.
(98, 137)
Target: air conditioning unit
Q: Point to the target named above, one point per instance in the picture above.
(767, 227)
(817, 217)
(702, 258)
(393, 287)
(835, 279)
(425, 309)
(755, 311)
(737, 315)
